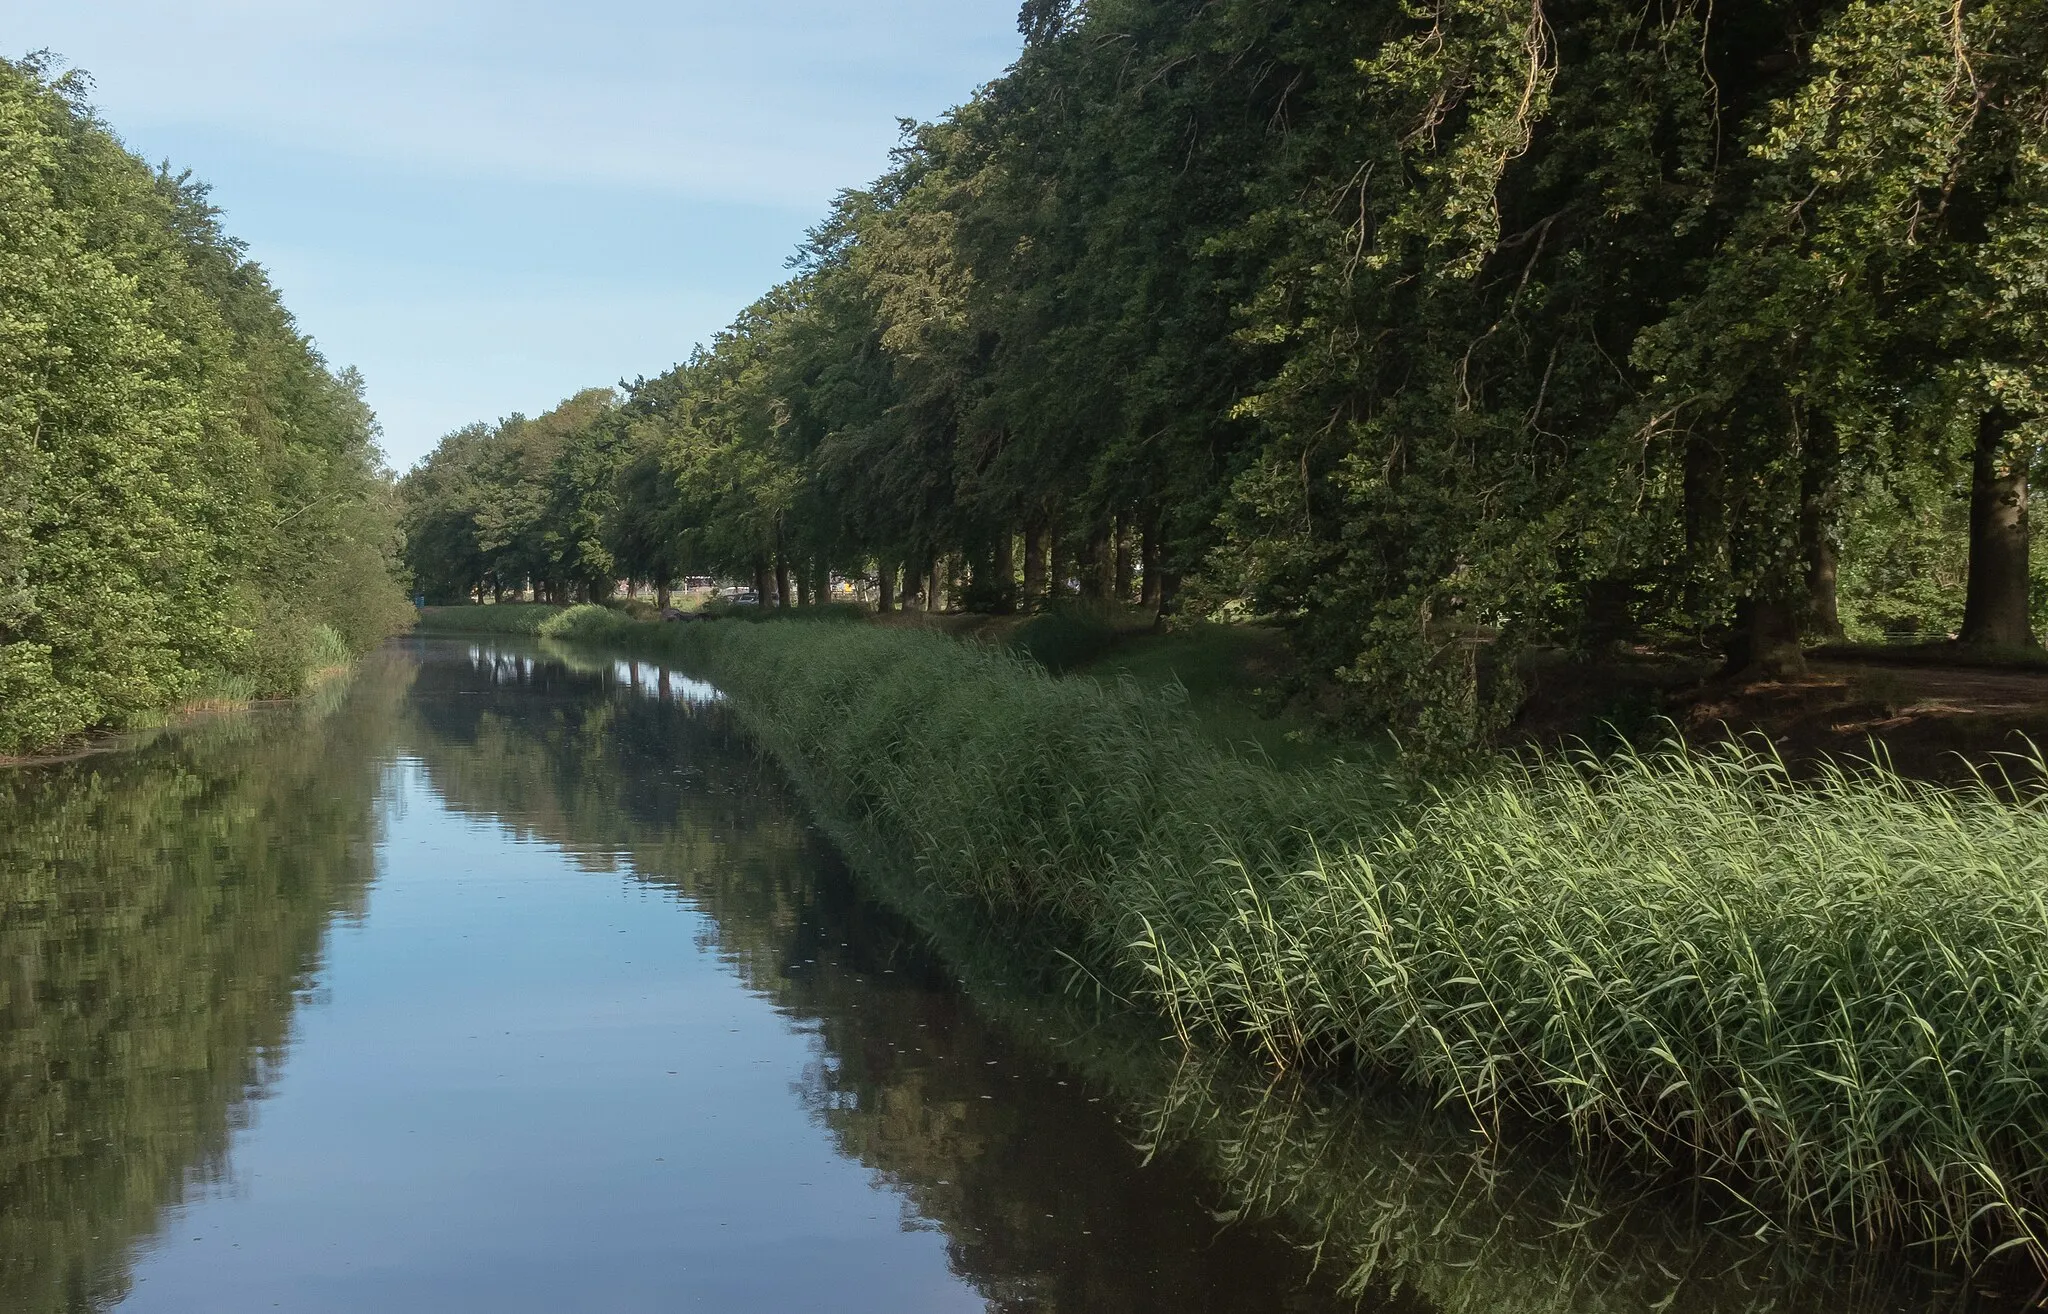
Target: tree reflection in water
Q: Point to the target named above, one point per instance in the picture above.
(161, 909)
(1073, 1159)
(164, 909)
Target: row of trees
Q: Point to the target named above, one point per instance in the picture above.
(191, 501)
(1435, 330)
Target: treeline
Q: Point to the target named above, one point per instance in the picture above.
(1437, 331)
(191, 502)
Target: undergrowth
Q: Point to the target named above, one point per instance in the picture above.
(1831, 997)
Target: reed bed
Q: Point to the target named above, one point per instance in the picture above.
(1830, 996)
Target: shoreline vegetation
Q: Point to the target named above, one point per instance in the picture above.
(1404, 1200)
(322, 683)
(1820, 997)
(193, 508)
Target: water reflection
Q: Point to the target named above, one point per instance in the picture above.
(1044, 1200)
(161, 919)
(161, 913)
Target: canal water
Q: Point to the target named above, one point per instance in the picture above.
(506, 978)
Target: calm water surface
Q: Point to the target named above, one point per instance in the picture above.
(510, 980)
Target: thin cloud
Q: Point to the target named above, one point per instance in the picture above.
(762, 102)
(487, 205)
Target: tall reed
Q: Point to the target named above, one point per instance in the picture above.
(1830, 996)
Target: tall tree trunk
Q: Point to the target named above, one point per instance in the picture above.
(781, 579)
(1034, 563)
(1148, 564)
(821, 580)
(933, 600)
(761, 588)
(661, 596)
(803, 586)
(1169, 589)
(1122, 587)
(1995, 606)
(1098, 565)
(1819, 471)
(1765, 644)
(1823, 610)
(1004, 567)
(885, 587)
(1706, 536)
(1057, 566)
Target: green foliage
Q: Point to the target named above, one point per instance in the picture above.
(1433, 332)
(1243, 685)
(520, 504)
(594, 624)
(187, 492)
(1819, 993)
(1904, 560)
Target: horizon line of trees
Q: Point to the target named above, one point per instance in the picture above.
(1434, 331)
(192, 502)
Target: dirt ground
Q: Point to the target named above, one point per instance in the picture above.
(1931, 720)
(1922, 710)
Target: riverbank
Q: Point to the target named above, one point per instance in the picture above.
(1395, 1195)
(225, 698)
(1824, 996)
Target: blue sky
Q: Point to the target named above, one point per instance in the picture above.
(487, 205)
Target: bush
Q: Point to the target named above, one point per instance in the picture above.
(188, 494)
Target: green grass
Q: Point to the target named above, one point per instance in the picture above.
(496, 618)
(328, 650)
(1059, 641)
(1232, 677)
(1830, 997)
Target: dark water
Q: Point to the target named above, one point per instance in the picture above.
(512, 980)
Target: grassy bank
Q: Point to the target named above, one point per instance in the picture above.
(498, 618)
(1829, 997)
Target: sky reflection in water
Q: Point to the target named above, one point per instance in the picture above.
(512, 979)
(566, 1046)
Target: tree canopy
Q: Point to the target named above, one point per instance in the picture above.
(191, 500)
(1434, 331)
